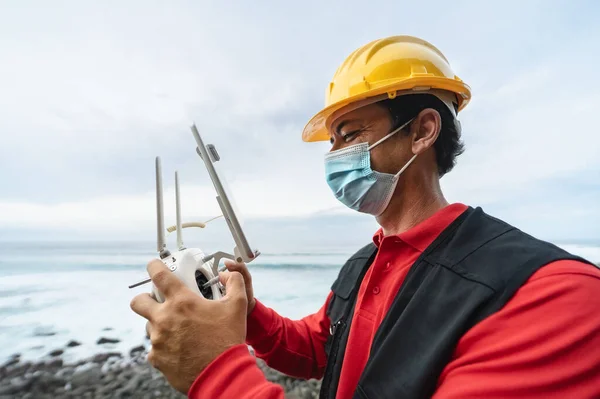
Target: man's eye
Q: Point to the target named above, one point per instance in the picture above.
(350, 136)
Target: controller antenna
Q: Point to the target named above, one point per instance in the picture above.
(160, 218)
(178, 214)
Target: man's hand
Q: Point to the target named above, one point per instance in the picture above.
(187, 331)
(243, 270)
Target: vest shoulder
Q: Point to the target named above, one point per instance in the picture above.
(350, 272)
(364, 253)
(491, 251)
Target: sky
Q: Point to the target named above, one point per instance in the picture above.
(92, 92)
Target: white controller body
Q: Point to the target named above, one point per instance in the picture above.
(186, 264)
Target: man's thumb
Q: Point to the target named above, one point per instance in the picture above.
(235, 286)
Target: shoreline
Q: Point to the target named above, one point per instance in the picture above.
(109, 374)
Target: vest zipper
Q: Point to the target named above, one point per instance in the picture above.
(336, 330)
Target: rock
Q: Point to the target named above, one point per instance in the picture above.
(35, 374)
(16, 385)
(131, 386)
(35, 367)
(85, 377)
(65, 373)
(19, 369)
(55, 363)
(112, 375)
(103, 357)
(78, 392)
(136, 350)
(56, 352)
(44, 332)
(306, 393)
(73, 343)
(108, 389)
(12, 361)
(47, 382)
(107, 368)
(104, 340)
(8, 390)
(80, 363)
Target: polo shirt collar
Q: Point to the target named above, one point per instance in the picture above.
(424, 233)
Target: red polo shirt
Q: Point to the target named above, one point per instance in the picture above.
(544, 343)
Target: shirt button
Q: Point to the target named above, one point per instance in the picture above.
(375, 290)
(387, 265)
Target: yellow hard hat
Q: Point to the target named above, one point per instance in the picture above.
(382, 69)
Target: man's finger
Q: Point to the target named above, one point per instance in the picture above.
(238, 267)
(234, 285)
(234, 266)
(223, 277)
(164, 280)
(144, 305)
(148, 330)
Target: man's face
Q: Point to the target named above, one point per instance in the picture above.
(370, 124)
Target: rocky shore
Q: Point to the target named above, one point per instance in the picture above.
(109, 375)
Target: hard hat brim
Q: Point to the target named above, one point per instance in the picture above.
(317, 128)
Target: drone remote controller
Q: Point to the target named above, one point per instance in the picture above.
(198, 271)
(187, 265)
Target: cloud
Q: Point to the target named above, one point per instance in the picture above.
(123, 214)
(528, 129)
(87, 102)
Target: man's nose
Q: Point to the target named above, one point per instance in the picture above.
(337, 144)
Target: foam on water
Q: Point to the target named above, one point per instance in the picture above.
(51, 294)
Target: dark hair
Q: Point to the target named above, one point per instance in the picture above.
(448, 145)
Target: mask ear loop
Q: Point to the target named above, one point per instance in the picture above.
(387, 136)
(407, 165)
(390, 135)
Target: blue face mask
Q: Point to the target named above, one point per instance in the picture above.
(353, 182)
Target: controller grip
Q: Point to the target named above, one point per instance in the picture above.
(187, 266)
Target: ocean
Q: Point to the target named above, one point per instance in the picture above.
(52, 293)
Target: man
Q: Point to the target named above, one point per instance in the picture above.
(447, 302)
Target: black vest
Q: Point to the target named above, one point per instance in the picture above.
(468, 273)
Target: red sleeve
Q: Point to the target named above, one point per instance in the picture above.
(545, 342)
(296, 348)
(234, 374)
(293, 347)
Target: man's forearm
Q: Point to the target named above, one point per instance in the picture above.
(293, 347)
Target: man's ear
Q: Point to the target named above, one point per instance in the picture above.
(425, 130)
